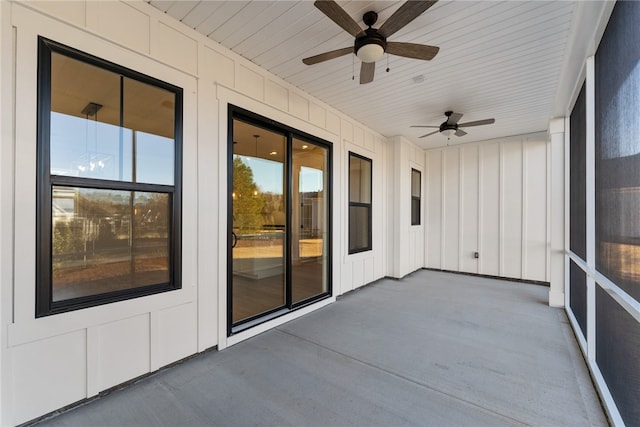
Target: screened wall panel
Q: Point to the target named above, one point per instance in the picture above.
(578, 295)
(578, 178)
(617, 149)
(617, 344)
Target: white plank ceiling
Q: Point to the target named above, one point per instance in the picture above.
(499, 60)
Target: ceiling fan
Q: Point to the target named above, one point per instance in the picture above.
(452, 127)
(370, 44)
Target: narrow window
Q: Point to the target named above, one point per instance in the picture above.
(359, 203)
(415, 196)
(109, 178)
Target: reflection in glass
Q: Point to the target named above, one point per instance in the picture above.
(259, 221)
(358, 227)
(415, 183)
(150, 111)
(108, 240)
(154, 159)
(89, 149)
(310, 214)
(95, 134)
(359, 179)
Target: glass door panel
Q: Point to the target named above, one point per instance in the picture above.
(258, 222)
(309, 226)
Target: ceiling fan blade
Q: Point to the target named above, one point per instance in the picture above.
(425, 126)
(406, 13)
(412, 50)
(339, 16)
(367, 70)
(453, 118)
(460, 132)
(429, 134)
(478, 123)
(327, 55)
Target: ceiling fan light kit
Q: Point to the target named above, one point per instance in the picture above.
(448, 132)
(370, 48)
(371, 43)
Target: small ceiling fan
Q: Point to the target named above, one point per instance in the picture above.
(452, 127)
(370, 44)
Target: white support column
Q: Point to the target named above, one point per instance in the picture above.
(556, 222)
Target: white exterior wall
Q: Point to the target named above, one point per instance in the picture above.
(50, 362)
(489, 197)
(6, 208)
(406, 240)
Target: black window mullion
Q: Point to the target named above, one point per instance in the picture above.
(103, 184)
(121, 131)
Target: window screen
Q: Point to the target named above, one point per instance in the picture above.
(578, 178)
(617, 138)
(578, 293)
(617, 356)
(617, 207)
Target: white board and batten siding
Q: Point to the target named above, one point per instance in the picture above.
(408, 241)
(54, 361)
(489, 197)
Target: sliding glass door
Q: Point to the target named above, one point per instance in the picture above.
(279, 234)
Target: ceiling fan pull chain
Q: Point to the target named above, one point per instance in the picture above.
(353, 67)
(387, 62)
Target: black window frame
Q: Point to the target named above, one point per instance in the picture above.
(368, 206)
(45, 181)
(416, 200)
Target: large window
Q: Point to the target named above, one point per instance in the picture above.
(416, 192)
(359, 203)
(109, 155)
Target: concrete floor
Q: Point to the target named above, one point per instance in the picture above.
(433, 349)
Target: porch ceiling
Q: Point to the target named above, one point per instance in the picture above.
(497, 59)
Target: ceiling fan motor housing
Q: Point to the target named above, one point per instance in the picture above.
(446, 126)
